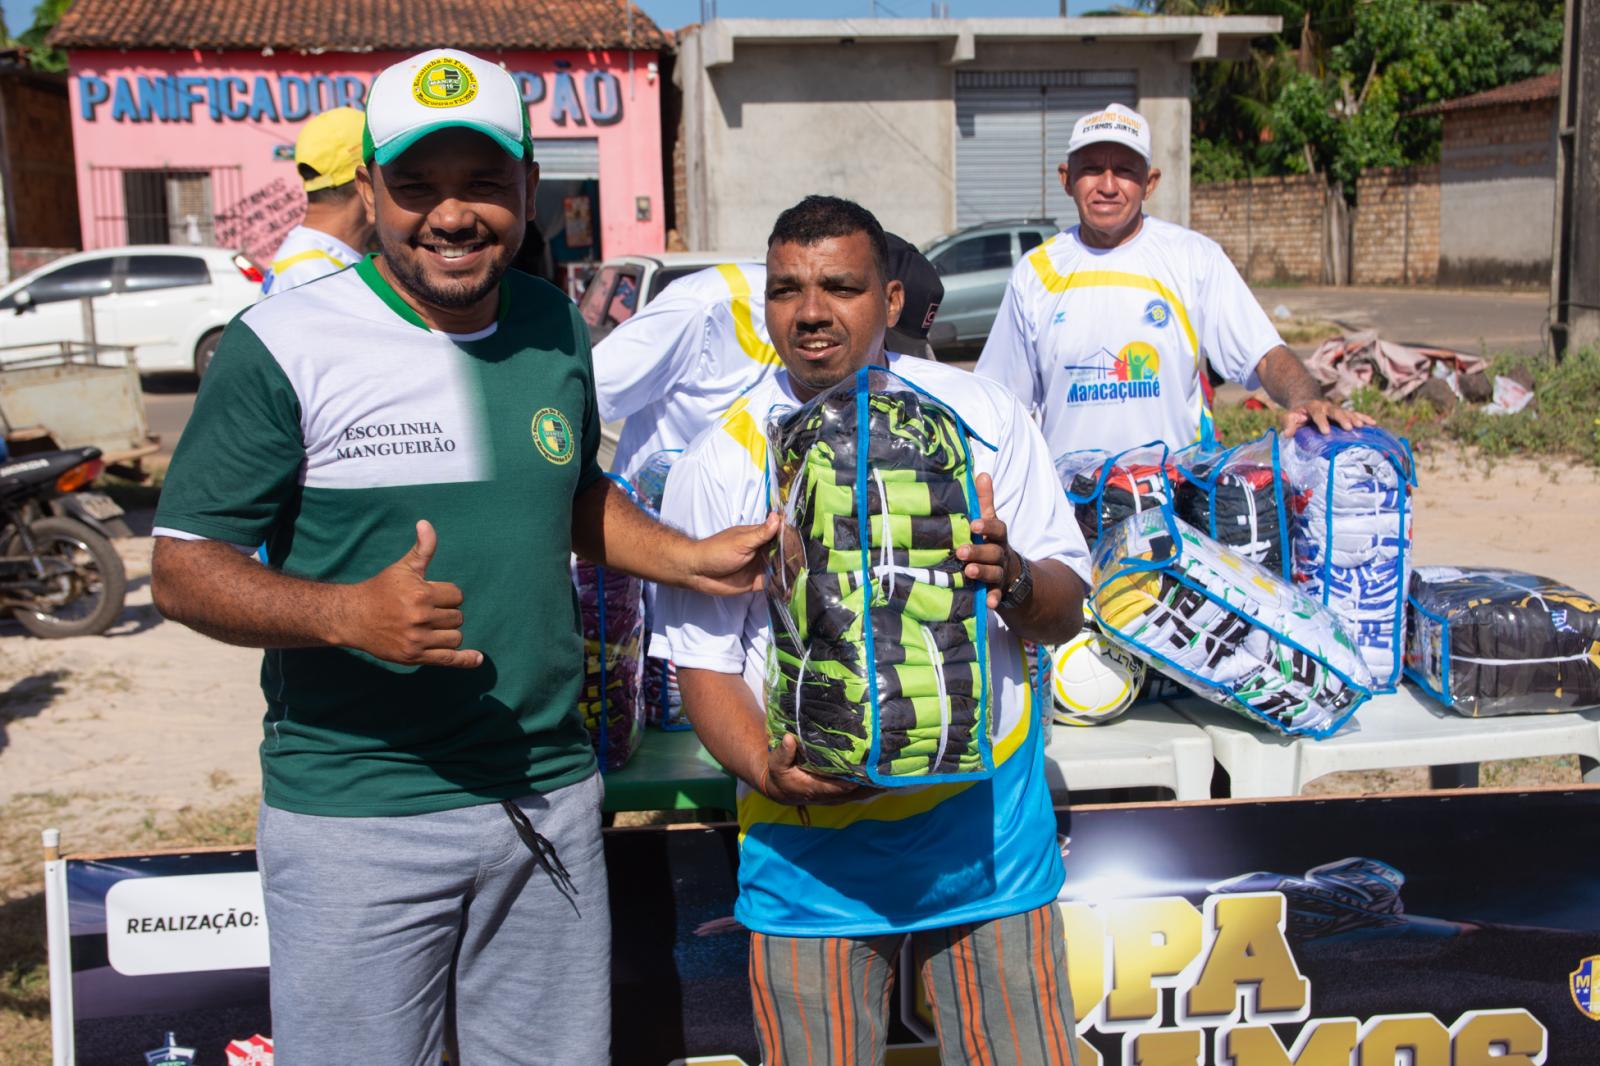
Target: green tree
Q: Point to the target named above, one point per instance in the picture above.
(1336, 91)
(40, 55)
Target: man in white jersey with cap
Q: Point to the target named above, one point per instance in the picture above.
(1104, 329)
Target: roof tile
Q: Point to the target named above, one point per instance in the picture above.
(1539, 87)
(356, 25)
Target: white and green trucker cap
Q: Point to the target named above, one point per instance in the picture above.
(443, 89)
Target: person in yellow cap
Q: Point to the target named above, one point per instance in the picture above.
(335, 230)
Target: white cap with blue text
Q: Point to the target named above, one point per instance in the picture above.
(1114, 123)
(443, 89)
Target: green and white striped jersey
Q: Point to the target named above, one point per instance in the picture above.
(330, 421)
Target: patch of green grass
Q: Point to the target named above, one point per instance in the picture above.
(24, 982)
(233, 824)
(1236, 423)
(1307, 330)
(24, 973)
(1564, 418)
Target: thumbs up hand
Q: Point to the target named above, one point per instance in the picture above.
(402, 617)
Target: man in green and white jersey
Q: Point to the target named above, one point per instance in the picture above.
(414, 441)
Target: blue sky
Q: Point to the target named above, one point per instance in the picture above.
(19, 14)
(674, 13)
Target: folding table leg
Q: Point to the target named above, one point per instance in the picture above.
(1454, 775)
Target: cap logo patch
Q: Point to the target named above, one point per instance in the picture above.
(444, 82)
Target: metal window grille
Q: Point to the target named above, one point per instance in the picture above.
(162, 205)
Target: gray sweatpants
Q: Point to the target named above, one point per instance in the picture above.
(376, 924)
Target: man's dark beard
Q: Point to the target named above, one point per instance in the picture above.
(457, 297)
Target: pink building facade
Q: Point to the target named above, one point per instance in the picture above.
(197, 147)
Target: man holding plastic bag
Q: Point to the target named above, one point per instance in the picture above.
(1105, 329)
(835, 874)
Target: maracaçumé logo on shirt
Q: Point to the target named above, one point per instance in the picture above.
(1131, 374)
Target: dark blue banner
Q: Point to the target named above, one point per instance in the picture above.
(1455, 929)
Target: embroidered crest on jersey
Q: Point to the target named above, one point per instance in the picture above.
(444, 82)
(552, 435)
(1157, 313)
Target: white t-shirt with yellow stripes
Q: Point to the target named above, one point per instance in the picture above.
(672, 369)
(306, 254)
(1107, 343)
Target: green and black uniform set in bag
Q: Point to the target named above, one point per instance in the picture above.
(879, 662)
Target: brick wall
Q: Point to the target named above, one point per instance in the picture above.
(1517, 134)
(27, 260)
(1395, 235)
(1270, 227)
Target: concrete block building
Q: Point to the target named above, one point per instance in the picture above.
(934, 124)
(1497, 183)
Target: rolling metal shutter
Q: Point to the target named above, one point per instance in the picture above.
(1012, 128)
(568, 157)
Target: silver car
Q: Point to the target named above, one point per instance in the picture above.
(975, 264)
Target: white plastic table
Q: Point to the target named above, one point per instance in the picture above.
(1150, 746)
(1403, 728)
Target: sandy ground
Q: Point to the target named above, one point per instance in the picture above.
(149, 719)
(153, 719)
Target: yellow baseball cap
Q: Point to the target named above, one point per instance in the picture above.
(330, 145)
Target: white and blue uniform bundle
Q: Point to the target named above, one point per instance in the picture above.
(1352, 536)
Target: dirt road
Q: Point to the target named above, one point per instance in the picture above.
(1483, 322)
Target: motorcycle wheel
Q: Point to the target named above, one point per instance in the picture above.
(90, 598)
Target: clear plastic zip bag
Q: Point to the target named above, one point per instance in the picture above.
(1106, 487)
(1225, 627)
(879, 662)
(1352, 535)
(1240, 497)
(611, 611)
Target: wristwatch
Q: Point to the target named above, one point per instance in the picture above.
(1021, 589)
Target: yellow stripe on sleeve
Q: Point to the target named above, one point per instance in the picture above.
(739, 424)
(289, 262)
(1053, 281)
(744, 326)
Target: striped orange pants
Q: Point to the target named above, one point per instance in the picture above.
(998, 990)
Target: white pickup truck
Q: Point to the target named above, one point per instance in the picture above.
(622, 286)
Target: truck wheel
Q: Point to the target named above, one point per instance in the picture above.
(204, 351)
(87, 593)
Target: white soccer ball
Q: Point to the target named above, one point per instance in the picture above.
(1094, 681)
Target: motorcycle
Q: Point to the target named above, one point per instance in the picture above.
(59, 574)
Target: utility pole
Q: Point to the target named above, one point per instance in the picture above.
(1575, 259)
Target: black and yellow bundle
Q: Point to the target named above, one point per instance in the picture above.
(879, 663)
